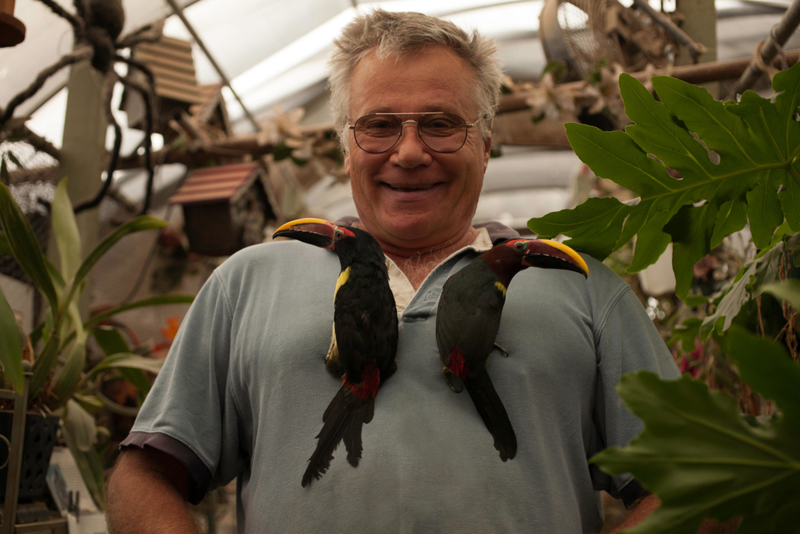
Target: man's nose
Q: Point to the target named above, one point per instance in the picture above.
(410, 151)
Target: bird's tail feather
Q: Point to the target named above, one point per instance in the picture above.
(361, 415)
(342, 420)
(493, 413)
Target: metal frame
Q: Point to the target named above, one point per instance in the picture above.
(15, 453)
(15, 466)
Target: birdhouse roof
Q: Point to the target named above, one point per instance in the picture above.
(214, 184)
(172, 64)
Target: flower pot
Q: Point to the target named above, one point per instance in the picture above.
(40, 437)
(12, 30)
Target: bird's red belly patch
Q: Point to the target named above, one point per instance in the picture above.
(457, 364)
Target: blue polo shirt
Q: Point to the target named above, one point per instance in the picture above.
(244, 388)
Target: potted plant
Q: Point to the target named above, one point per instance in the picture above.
(60, 384)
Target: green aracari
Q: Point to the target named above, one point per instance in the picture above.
(364, 341)
(468, 319)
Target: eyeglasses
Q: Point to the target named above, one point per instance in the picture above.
(441, 132)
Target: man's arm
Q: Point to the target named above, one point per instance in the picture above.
(639, 513)
(648, 505)
(146, 494)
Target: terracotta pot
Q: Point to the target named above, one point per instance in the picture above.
(40, 438)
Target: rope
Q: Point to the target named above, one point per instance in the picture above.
(769, 70)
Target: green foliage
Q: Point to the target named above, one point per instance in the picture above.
(556, 68)
(687, 333)
(4, 177)
(746, 285)
(703, 459)
(757, 178)
(65, 229)
(788, 290)
(24, 247)
(703, 170)
(10, 346)
(60, 381)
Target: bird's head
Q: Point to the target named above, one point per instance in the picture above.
(317, 232)
(351, 244)
(546, 254)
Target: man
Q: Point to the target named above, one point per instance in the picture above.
(244, 387)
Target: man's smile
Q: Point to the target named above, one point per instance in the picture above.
(411, 188)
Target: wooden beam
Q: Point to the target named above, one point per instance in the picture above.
(83, 154)
(694, 74)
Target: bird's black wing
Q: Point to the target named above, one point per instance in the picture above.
(469, 315)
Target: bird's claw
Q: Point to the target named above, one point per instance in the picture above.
(503, 351)
(447, 374)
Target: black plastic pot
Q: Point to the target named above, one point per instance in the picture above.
(40, 438)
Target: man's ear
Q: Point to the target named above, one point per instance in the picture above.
(347, 163)
(487, 150)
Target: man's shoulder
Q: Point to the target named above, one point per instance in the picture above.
(275, 251)
(275, 260)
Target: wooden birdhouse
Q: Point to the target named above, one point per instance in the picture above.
(211, 114)
(224, 208)
(172, 65)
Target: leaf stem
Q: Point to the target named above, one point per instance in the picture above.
(793, 172)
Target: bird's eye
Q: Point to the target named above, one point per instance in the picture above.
(519, 246)
(338, 234)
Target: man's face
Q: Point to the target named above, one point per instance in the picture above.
(412, 196)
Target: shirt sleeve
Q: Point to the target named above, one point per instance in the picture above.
(190, 412)
(626, 341)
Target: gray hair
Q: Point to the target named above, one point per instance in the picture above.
(393, 34)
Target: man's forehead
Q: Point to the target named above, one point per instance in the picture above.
(378, 58)
(376, 76)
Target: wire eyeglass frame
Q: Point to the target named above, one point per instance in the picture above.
(402, 125)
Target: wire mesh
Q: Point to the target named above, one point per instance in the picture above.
(582, 25)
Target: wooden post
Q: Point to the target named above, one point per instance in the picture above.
(701, 25)
(83, 152)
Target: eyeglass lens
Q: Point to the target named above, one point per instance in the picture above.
(442, 132)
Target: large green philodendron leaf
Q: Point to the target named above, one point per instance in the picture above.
(703, 459)
(756, 140)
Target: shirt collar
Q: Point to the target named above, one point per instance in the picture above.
(489, 234)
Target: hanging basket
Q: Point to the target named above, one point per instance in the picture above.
(12, 30)
(37, 447)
